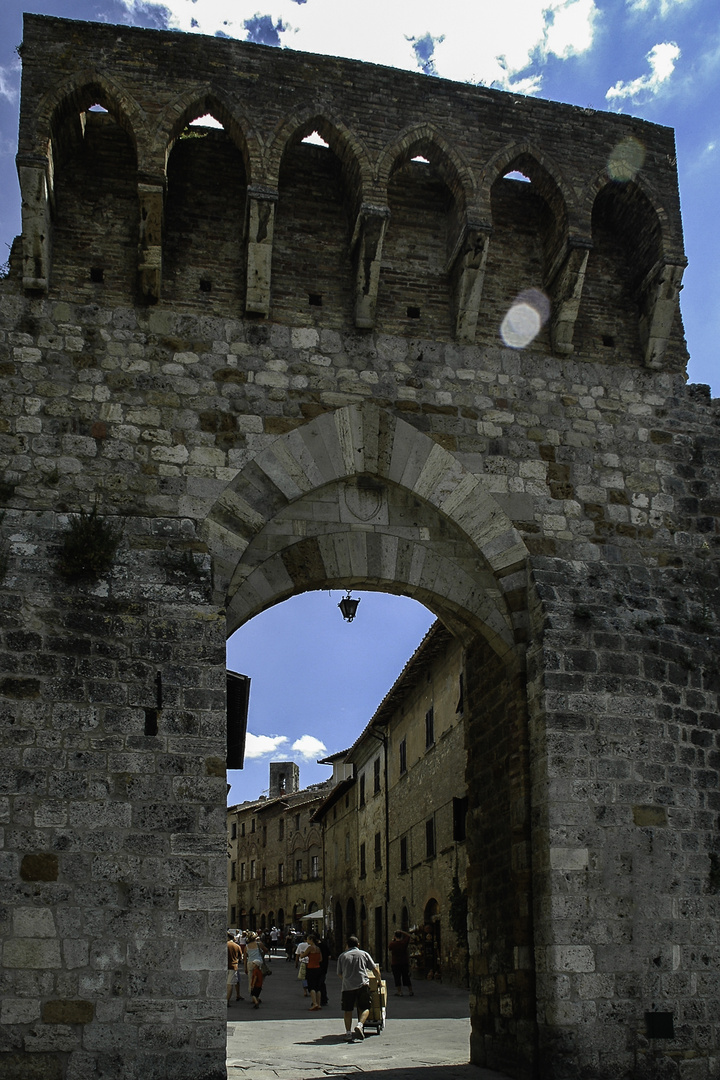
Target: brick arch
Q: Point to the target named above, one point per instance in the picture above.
(189, 107)
(471, 574)
(603, 183)
(425, 139)
(343, 142)
(75, 96)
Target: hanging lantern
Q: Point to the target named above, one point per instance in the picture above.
(348, 606)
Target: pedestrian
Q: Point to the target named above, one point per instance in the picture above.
(324, 964)
(254, 950)
(313, 958)
(234, 956)
(256, 983)
(301, 964)
(274, 939)
(354, 967)
(400, 961)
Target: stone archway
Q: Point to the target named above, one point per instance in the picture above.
(361, 498)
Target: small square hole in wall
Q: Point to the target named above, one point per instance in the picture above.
(97, 275)
(413, 313)
(315, 299)
(659, 1025)
(205, 284)
(608, 341)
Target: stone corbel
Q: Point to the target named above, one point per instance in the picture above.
(565, 285)
(366, 248)
(151, 195)
(658, 303)
(260, 226)
(36, 193)
(466, 268)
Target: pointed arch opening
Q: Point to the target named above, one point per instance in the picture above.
(94, 177)
(319, 190)
(427, 197)
(205, 207)
(530, 227)
(627, 245)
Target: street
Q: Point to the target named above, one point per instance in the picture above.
(283, 1039)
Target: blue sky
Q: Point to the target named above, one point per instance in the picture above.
(657, 59)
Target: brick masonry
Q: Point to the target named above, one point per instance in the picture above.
(279, 366)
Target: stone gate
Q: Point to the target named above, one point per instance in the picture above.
(435, 351)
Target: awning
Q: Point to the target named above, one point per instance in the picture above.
(320, 914)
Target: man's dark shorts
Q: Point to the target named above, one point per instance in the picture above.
(360, 997)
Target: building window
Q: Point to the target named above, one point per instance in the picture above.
(362, 790)
(252, 825)
(315, 867)
(281, 829)
(376, 775)
(378, 853)
(242, 829)
(233, 912)
(430, 838)
(298, 870)
(264, 835)
(429, 727)
(403, 756)
(362, 861)
(233, 831)
(242, 871)
(403, 854)
(263, 873)
(461, 699)
(233, 871)
(459, 815)
(252, 869)
(297, 823)
(281, 872)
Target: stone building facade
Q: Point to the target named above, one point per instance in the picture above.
(268, 367)
(394, 828)
(275, 867)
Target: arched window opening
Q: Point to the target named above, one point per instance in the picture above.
(415, 295)
(203, 252)
(311, 271)
(626, 245)
(526, 237)
(95, 232)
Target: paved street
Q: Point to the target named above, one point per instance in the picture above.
(425, 1038)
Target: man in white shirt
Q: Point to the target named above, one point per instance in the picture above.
(354, 967)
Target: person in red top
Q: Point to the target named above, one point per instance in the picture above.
(313, 959)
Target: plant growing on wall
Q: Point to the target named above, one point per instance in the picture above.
(89, 546)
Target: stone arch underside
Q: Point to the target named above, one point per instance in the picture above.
(360, 496)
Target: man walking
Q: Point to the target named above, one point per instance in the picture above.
(354, 967)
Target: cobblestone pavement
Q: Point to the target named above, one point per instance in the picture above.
(425, 1036)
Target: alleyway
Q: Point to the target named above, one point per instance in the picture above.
(425, 1038)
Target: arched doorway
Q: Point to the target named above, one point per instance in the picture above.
(410, 520)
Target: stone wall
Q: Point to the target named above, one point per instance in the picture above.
(556, 505)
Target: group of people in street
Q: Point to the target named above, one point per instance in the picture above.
(246, 953)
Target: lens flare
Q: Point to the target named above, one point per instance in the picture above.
(626, 160)
(525, 319)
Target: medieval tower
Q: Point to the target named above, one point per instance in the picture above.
(440, 355)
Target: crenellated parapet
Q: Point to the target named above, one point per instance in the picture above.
(419, 222)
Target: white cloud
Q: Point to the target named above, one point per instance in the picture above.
(664, 7)
(259, 745)
(10, 82)
(662, 59)
(473, 43)
(309, 747)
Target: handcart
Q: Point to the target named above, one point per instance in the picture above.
(378, 1004)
